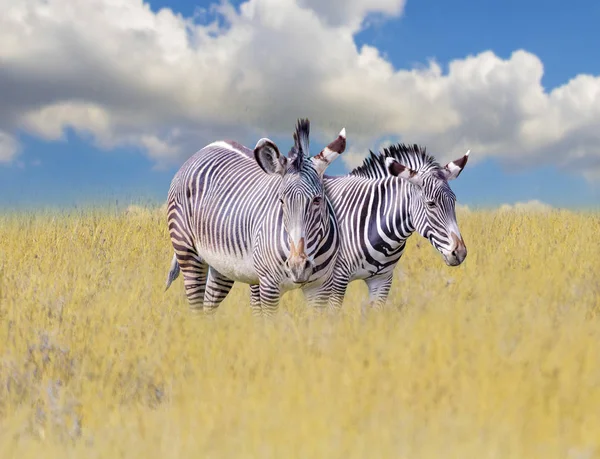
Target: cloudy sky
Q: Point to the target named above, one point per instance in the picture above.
(104, 99)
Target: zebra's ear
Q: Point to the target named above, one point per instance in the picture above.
(454, 168)
(398, 170)
(330, 153)
(268, 157)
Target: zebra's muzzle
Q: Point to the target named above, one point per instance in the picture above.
(458, 252)
(298, 265)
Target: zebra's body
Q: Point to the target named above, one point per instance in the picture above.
(254, 217)
(379, 205)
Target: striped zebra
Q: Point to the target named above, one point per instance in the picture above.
(378, 206)
(255, 217)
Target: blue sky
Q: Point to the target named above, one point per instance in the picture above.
(73, 170)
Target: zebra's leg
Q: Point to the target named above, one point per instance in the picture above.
(270, 294)
(316, 296)
(379, 289)
(327, 296)
(194, 270)
(337, 291)
(217, 289)
(255, 300)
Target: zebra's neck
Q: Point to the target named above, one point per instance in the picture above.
(378, 208)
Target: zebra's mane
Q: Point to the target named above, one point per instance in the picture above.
(412, 156)
(300, 151)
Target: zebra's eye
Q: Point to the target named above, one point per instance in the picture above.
(430, 204)
(317, 201)
(281, 201)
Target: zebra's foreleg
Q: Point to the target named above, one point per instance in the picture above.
(315, 296)
(379, 289)
(337, 292)
(217, 289)
(194, 271)
(270, 294)
(255, 300)
(325, 297)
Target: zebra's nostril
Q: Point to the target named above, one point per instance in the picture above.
(454, 254)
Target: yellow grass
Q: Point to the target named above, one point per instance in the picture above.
(497, 358)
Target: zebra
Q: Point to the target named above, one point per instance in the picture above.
(255, 217)
(378, 205)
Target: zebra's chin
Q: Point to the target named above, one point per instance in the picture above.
(300, 274)
(452, 261)
(454, 258)
(458, 252)
(299, 268)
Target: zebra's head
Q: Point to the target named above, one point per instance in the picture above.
(432, 205)
(301, 195)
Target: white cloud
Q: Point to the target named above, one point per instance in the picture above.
(122, 74)
(49, 121)
(8, 147)
(352, 12)
(134, 210)
(533, 205)
(354, 156)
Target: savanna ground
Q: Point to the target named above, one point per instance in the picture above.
(497, 358)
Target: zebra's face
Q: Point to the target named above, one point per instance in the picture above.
(433, 206)
(302, 200)
(301, 197)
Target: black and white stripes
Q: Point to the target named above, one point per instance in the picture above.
(378, 206)
(252, 216)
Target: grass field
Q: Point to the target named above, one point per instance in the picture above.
(497, 358)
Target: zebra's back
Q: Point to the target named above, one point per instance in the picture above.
(218, 202)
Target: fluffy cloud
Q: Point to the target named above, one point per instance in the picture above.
(8, 147)
(533, 205)
(354, 156)
(121, 74)
(352, 13)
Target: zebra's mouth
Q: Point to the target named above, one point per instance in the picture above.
(297, 282)
(299, 269)
(300, 279)
(455, 258)
(452, 261)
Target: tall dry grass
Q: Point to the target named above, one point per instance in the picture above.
(497, 358)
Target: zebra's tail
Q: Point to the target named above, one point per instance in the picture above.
(173, 272)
